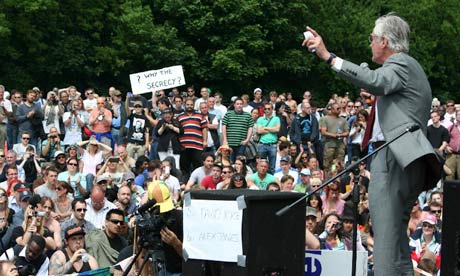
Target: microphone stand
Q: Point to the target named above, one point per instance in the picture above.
(351, 168)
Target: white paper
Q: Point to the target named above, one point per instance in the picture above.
(332, 263)
(213, 230)
(154, 80)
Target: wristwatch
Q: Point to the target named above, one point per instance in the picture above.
(331, 57)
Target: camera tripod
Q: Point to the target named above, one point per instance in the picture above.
(157, 256)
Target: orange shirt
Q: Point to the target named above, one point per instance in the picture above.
(103, 125)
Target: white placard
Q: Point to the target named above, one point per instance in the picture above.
(213, 230)
(333, 263)
(154, 80)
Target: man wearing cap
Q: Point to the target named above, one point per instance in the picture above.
(48, 188)
(257, 98)
(51, 145)
(167, 132)
(59, 161)
(311, 241)
(29, 116)
(304, 185)
(79, 209)
(171, 234)
(73, 258)
(285, 169)
(98, 206)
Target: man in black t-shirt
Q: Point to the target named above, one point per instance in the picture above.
(138, 132)
(437, 134)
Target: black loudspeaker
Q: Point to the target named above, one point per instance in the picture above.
(272, 245)
(450, 248)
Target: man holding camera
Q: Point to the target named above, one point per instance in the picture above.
(100, 120)
(52, 144)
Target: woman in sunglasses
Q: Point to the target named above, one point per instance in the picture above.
(73, 177)
(63, 202)
(238, 181)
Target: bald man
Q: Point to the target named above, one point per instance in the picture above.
(97, 206)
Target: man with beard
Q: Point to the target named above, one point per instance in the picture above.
(106, 244)
(193, 139)
(123, 201)
(79, 209)
(73, 258)
(29, 116)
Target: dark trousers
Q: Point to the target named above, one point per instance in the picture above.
(190, 159)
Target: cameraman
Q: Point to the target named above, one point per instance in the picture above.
(172, 232)
(52, 144)
(52, 111)
(30, 164)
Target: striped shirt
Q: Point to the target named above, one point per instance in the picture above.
(237, 125)
(193, 130)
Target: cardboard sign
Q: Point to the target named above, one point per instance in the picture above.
(155, 80)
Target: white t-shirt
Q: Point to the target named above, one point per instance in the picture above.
(90, 162)
(73, 130)
(90, 104)
(8, 107)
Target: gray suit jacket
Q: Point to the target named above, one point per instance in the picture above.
(404, 99)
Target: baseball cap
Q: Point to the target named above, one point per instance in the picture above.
(311, 212)
(137, 103)
(166, 110)
(20, 188)
(285, 159)
(74, 230)
(25, 195)
(101, 178)
(160, 192)
(57, 153)
(305, 172)
(127, 176)
(116, 92)
(431, 219)
(257, 89)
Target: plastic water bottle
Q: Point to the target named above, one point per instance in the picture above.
(85, 257)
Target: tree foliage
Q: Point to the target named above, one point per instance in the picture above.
(229, 45)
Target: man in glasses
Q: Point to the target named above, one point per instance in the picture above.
(436, 210)
(20, 148)
(79, 209)
(52, 145)
(100, 122)
(268, 127)
(450, 111)
(97, 205)
(106, 244)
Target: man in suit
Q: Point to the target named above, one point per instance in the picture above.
(402, 170)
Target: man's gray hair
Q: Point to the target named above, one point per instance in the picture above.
(395, 30)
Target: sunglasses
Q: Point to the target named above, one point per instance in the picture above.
(2, 194)
(116, 221)
(426, 224)
(59, 188)
(432, 211)
(25, 138)
(225, 172)
(137, 105)
(239, 178)
(2, 156)
(60, 156)
(72, 164)
(267, 109)
(81, 210)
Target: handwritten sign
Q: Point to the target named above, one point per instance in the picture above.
(330, 263)
(154, 80)
(213, 230)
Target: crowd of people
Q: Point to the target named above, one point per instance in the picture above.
(76, 166)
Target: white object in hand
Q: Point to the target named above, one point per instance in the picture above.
(309, 35)
(85, 257)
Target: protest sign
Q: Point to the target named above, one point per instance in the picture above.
(213, 230)
(154, 80)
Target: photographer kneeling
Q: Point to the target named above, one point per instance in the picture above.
(162, 232)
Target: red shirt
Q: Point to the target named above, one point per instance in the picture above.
(208, 182)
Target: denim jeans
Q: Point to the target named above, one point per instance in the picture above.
(237, 150)
(268, 151)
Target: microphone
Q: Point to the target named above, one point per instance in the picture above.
(146, 206)
(413, 128)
